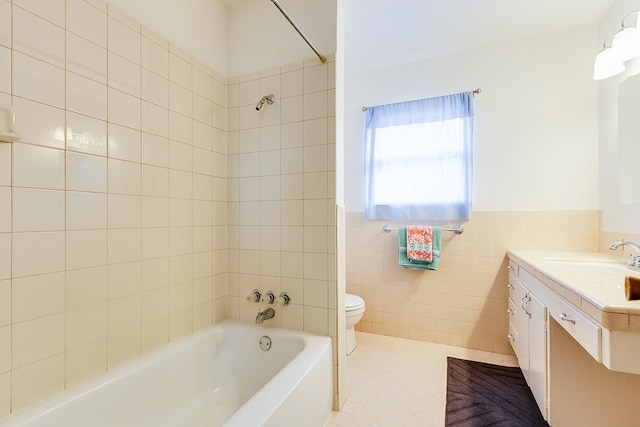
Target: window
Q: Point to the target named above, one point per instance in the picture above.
(418, 159)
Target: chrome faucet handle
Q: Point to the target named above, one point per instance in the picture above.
(284, 299)
(269, 297)
(254, 296)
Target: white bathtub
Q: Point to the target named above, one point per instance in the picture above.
(217, 377)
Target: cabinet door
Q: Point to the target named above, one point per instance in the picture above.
(538, 352)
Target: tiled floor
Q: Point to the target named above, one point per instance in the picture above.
(400, 382)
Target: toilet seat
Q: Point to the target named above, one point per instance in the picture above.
(353, 303)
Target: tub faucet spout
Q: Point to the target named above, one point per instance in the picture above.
(265, 315)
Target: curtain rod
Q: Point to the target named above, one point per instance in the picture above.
(323, 58)
(474, 92)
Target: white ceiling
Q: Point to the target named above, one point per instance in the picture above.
(380, 33)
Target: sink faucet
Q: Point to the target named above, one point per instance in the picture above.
(634, 258)
(265, 315)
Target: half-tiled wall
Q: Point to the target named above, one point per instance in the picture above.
(464, 302)
(113, 203)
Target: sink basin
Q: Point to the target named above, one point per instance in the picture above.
(590, 265)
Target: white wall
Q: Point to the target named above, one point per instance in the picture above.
(536, 119)
(199, 27)
(261, 38)
(615, 216)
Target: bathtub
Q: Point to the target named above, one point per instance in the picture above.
(217, 377)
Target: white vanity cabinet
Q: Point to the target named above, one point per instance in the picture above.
(528, 335)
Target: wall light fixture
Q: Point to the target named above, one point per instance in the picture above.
(624, 46)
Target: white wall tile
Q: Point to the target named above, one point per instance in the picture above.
(124, 211)
(86, 134)
(155, 150)
(202, 109)
(202, 83)
(5, 257)
(5, 68)
(5, 349)
(37, 381)
(155, 212)
(291, 109)
(292, 83)
(124, 40)
(52, 10)
(180, 71)
(37, 37)
(180, 156)
(180, 212)
(180, 99)
(124, 109)
(155, 181)
(155, 243)
(86, 96)
(316, 78)
(124, 75)
(315, 158)
(316, 131)
(155, 119)
(87, 248)
(125, 143)
(37, 80)
(5, 209)
(202, 135)
(292, 135)
(86, 286)
(180, 128)
(292, 161)
(86, 211)
(86, 324)
(124, 279)
(37, 296)
(5, 23)
(37, 253)
(155, 89)
(124, 245)
(86, 172)
(86, 58)
(39, 167)
(155, 58)
(87, 21)
(38, 210)
(39, 124)
(315, 105)
(37, 339)
(125, 177)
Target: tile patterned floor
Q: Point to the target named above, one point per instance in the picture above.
(399, 382)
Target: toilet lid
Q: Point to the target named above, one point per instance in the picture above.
(353, 302)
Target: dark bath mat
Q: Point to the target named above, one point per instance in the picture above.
(481, 395)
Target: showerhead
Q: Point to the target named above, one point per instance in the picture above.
(269, 99)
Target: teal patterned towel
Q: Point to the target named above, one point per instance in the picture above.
(418, 265)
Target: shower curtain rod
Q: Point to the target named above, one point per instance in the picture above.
(323, 58)
(474, 92)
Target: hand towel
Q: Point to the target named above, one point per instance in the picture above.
(419, 265)
(419, 243)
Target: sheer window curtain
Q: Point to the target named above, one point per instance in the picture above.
(419, 159)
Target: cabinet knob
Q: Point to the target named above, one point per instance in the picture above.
(510, 337)
(511, 311)
(510, 286)
(511, 268)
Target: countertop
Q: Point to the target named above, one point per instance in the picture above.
(592, 281)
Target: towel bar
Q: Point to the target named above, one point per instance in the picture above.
(458, 229)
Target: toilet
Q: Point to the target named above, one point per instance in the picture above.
(354, 309)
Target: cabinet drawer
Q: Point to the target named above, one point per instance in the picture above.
(587, 333)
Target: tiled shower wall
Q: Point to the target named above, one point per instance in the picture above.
(281, 195)
(464, 302)
(113, 203)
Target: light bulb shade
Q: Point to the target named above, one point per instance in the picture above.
(626, 44)
(607, 64)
